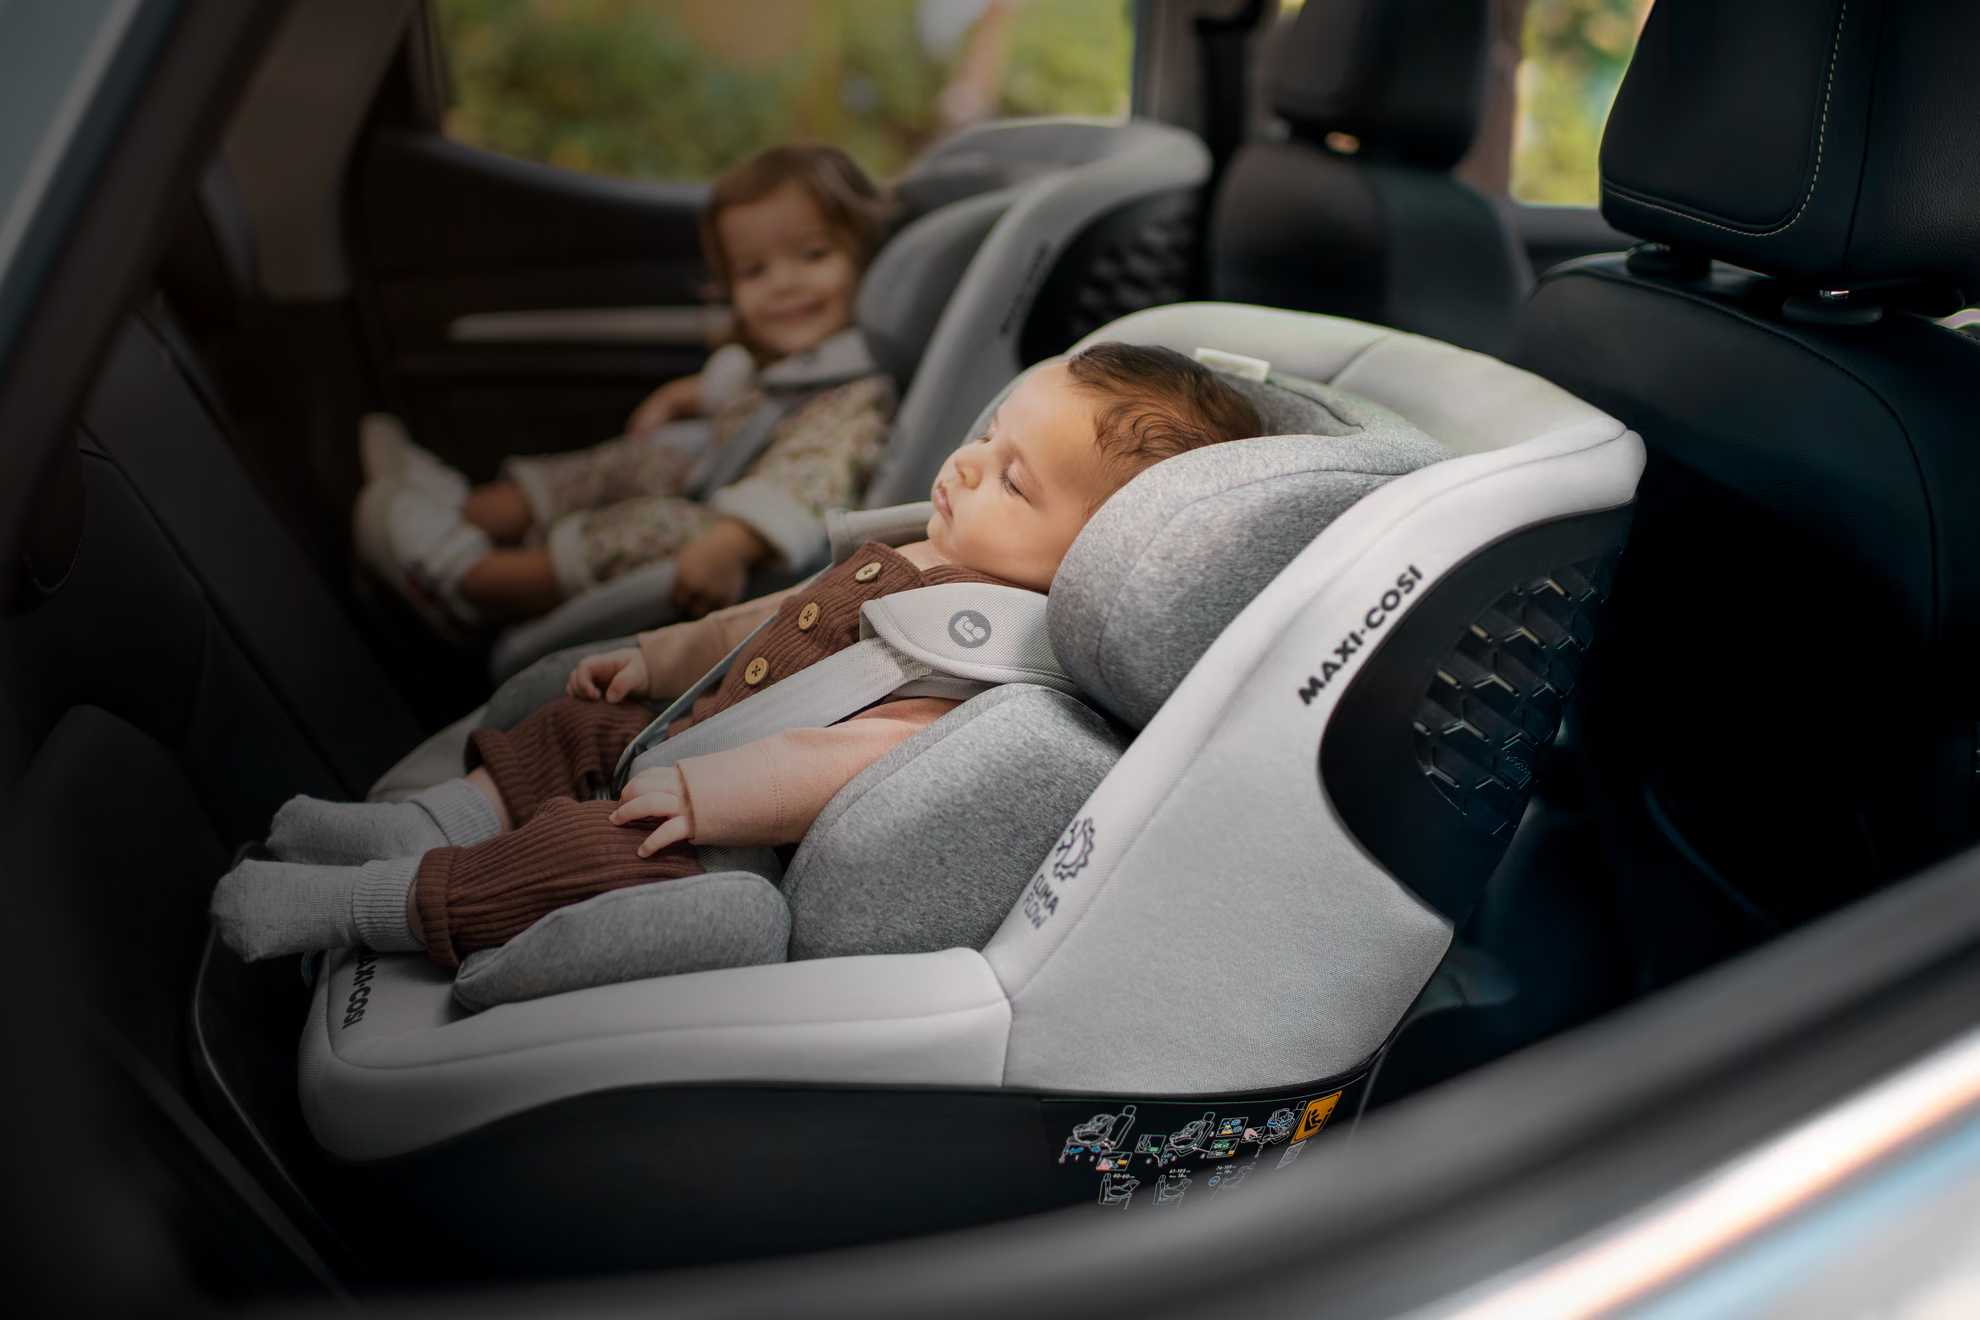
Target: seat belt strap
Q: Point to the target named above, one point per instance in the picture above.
(822, 694)
(953, 640)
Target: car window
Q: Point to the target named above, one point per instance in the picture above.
(56, 58)
(682, 89)
(1573, 59)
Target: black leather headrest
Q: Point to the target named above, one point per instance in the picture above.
(1405, 77)
(1836, 141)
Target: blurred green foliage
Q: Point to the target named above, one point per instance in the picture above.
(682, 89)
(1575, 54)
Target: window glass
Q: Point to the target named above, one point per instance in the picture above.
(1574, 55)
(682, 89)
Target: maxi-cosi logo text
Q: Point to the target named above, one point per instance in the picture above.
(367, 967)
(1351, 645)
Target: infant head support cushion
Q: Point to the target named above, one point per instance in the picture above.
(1172, 558)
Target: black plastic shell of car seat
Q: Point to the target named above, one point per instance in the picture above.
(1436, 745)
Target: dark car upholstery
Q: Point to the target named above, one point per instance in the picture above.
(1785, 718)
(1357, 214)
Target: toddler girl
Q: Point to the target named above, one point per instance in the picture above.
(797, 413)
(473, 862)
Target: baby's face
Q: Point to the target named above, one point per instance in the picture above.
(791, 281)
(1010, 502)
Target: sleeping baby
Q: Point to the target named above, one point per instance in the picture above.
(471, 863)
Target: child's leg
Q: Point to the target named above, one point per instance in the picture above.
(553, 485)
(266, 909)
(582, 550)
(464, 898)
(485, 896)
(308, 829)
(501, 509)
(598, 545)
(567, 748)
(516, 584)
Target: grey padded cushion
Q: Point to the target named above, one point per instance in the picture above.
(1173, 557)
(903, 293)
(1293, 405)
(929, 848)
(694, 924)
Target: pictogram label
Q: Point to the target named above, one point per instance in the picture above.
(1316, 1116)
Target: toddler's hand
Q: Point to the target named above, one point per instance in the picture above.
(623, 670)
(657, 793)
(671, 402)
(712, 571)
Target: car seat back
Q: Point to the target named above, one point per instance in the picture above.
(916, 273)
(1341, 731)
(1811, 432)
(1075, 176)
(1357, 213)
(1222, 859)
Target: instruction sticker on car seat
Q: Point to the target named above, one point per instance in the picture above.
(1159, 1153)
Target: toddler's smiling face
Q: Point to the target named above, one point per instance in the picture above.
(791, 280)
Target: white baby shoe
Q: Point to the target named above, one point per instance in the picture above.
(386, 451)
(423, 548)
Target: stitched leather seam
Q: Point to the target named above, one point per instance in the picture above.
(1821, 139)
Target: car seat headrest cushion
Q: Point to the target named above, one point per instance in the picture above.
(1850, 154)
(1406, 78)
(1172, 558)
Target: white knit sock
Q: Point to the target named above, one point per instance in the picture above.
(266, 909)
(386, 451)
(308, 829)
(420, 545)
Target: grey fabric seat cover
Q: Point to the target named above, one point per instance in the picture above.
(931, 845)
(698, 922)
(1155, 578)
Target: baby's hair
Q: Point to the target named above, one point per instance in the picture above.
(855, 208)
(1155, 403)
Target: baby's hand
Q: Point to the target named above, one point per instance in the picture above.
(657, 793)
(624, 670)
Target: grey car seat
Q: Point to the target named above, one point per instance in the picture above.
(1357, 213)
(1811, 431)
(1041, 229)
(1354, 718)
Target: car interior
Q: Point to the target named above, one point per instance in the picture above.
(1608, 637)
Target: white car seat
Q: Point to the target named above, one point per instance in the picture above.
(1076, 220)
(1331, 757)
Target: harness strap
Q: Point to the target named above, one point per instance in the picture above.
(953, 640)
(787, 386)
(721, 465)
